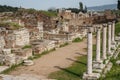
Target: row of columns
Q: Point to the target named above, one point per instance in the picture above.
(111, 36)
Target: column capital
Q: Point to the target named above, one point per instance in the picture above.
(109, 23)
(90, 29)
(104, 25)
(114, 21)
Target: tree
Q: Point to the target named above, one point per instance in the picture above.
(52, 9)
(85, 9)
(81, 6)
(118, 5)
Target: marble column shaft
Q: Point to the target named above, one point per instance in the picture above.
(98, 45)
(109, 38)
(104, 37)
(113, 32)
(89, 53)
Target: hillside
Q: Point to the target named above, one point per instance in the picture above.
(103, 7)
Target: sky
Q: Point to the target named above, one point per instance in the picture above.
(46, 4)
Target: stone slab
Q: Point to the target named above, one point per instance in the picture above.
(93, 76)
(98, 64)
(2, 68)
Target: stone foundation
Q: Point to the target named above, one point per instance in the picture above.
(93, 76)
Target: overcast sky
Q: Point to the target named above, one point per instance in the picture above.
(46, 4)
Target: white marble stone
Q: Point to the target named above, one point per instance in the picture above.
(93, 76)
(89, 53)
(104, 38)
(28, 62)
(109, 38)
(98, 45)
(118, 62)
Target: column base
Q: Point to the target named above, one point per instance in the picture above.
(98, 64)
(110, 54)
(113, 47)
(113, 43)
(93, 76)
(105, 57)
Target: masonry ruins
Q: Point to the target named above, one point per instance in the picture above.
(31, 34)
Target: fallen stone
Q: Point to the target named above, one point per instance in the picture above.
(118, 62)
(28, 62)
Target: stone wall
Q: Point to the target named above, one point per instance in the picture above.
(2, 42)
(21, 37)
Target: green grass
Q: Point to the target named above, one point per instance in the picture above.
(117, 28)
(50, 14)
(12, 68)
(75, 71)
(27, 46)
(77, 40)
(114, 73)
(63, 45)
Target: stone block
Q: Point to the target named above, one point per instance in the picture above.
(6, 51)
(118, 62)
(2, 68)
(28, 62)
(10, 59)
(93, 76)
(97, 64)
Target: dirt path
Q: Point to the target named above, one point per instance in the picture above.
(61, 57)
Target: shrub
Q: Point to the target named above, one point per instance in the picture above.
(77, 40)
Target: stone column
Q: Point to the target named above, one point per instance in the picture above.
(109, 37)
(98, 45)
(104, 38)
(113, 32)
(89, 75)
(89, 52)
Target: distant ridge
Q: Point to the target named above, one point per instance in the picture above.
(103, 7)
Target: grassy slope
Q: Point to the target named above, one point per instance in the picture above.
(114, 73)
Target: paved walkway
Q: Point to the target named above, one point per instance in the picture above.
(62, 57)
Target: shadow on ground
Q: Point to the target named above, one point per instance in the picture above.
(76, 61)
(68, 71)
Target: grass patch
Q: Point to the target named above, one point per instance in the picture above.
(75, 71)
(77, 40)
(48, 13)
(13, 67)
(117, 28)
(114, 73)
(27, 46)
(63, 45)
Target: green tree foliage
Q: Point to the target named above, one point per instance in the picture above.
(118, 6)
(85, 9)
(5, 8)
(75, 10)
(81, 6)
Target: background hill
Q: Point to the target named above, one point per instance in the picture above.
(103, 7)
